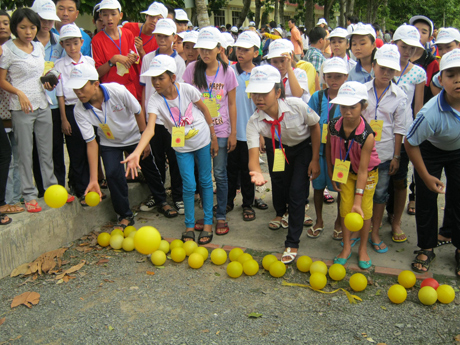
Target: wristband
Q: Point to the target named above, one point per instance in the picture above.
(213, 135)
(397, 157)
(211, 124)
(359, 191)
(359, 194)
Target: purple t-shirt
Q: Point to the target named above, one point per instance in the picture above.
(224, 82)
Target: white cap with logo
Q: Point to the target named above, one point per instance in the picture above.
(46, 9)
(351, 93)
(335, 65)
(279, 47)
(81, 74)
(180, 15)
(321, 21)
(160, 64)
(166, 27)
(447, 35)
(227, 40)
(208, 38)
(263, 79)
(338, 32)
(363, 30)
(109, 5)
(408, 34)
(450, 60)
(190, 36)
(247, 40)
(388, 56)
(156, 9)
(69, 31)
(252, 24)
(423, 18)
(279, 30)
(234, 29)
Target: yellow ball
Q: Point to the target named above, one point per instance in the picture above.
(132, 234)
(218, 256)
(203, 251)
(244, 257)
(164, 246)
(337, 272)
(103, 239)
(407, 279)
(178, 254)
(251, 267)
(56, 196)
(117, 232)
(303, 263)
(358, 282)
(318, 280)
(277, 269)
(353, 221)
(92, 199)
(446, 293)
(189, 247)
(116, 241)
(268, 260)
(318, 266)
(234, 269)
(235, 254)
(176, 244)
(158, 258)
(397, 293)
(195, 260)
(128, 244)
(129, 230)
(427, 295)
(147, 240)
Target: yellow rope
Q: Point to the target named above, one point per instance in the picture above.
(351, 298)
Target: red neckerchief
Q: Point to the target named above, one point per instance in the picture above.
(274, 125)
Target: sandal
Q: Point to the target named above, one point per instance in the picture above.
(188, 234)
(314, 231)
(353, 241)
(457, 260)
(274, 225)
(11, 209)
(221, 226)
(203, 234)
(199, 225)
(103, 184)
(32, 208)
(308, 221)
(411, 208)
(260, 204)
(328, 198)
(425, 263)
(337, 235)
(285, 221)
(394, 239)
(443, 243)
(248, 214)
(4, 219)
(168, 213)
(124, 226)
(288, 254)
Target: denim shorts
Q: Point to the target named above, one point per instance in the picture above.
(381, 190)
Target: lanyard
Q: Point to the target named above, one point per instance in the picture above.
(378, 99)
(404, 70)
(119, 40)
(329, 107)
(205, 76)
(105, 114)
(349, 148)
(170, 113)
(140, 32)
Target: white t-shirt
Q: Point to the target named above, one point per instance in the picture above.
(302, 78)
(197, 133)
(306, 41)
(118, 112)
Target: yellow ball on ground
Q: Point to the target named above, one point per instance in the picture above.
(178, 254)
(427, 295)
(56, 196)
(407, 279)
(116, 241)
(318, 266)
(158, 258)
(132, 234)
(244, 257)
(203, 251)
(218, 256)
(92, 199)
(128, 244)
(235, 254)
(251, 267)
(268, 260)
(277, 269)
(353, 221)
(397, 293)
(164, 246)
(234, 269)
(128, 230)
(195, 260)
(175, 244)
(117, 232)
(189, 247)
(303, 263)
(318, 280)
(337, 272)
(358, 282)
(103, 239)
(147, 240)
(446, 293)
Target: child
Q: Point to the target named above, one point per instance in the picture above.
(318, 42)
(336, 73)
(181, 20)
(387, 113)
(433, 145)
(350, 140)
(217, 83)
(97, 20)
(247, 48)
(227, 47)
(189, 41)
(115, 112)
(180, 107)
(362, 42)
(292, 123)
(179, 45)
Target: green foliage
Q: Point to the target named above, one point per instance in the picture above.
(216, 5)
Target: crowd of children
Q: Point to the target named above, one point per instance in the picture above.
(163, 95)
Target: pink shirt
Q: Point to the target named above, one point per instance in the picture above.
(295, 38)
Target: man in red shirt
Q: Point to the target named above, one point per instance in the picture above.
(296, 39)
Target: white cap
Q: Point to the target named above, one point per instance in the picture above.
(252, 23)
(279, 30)
(69, 31)
(157, 9)
(450, 60)
(350, 93)
(288, 34)
(227, 40)
(447, 35)
(208, 38)
(46, 9)
(180, 15)
(278, 47)
(182, 34)
(263, 79)
(190, 36)
(388, 56)
(335, 65)
(166, 27)
(234, 29)
(338, 32)
(81, 74)
(247, 40)
(109, 5)
(96, 8)
(189, 24)
(408, 34)
(160, 64)
(425, 19)
(363, 30)
(321, 21)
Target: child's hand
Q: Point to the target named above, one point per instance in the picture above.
(94, 187)
(133, 165)
(287, 61)
(435, 185)
(66, 128)
(139, 44)
(336, 186)
(124, 60)
(26, 106)
(146, 152)
(314, 169)
(261, 144)
(231, 142)
(214, 147)
(357, 209)
(48, 86)
(394, 166)
(257, 178)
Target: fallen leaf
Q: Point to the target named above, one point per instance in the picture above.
(217, 333)
(254, 315)
(150, 273)
(377, 293)
(205, 331)
(456, 289)
(140, 260)
(217, 274)
(71, 270)
(102, 261)
(109, 281)
(370, 340)
(457, 337)
(381, 343)
(400, 250)
(20, 270)
(83, 244)
(2, 321)
(27, 298)
(160, 267)
(383, 308)
(134, 288)
(110, 328)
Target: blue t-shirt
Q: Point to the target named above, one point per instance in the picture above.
(86, 48)
(245, 107)
(359, 74)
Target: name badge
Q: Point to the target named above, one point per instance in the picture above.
(324, 135)
(106, 129)
(247, 83)
(48, 66)
(212, 106)
(377, 127)
(341, 171)
(279, 161)
(178, 137)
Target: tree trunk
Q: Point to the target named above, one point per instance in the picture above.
(257, 14)
(310, 19)
(202, 13)
(281, 13)
(327, 8)
(342, 19)
(384, 24)
(244, 12)
(276, 12)
(350, 8)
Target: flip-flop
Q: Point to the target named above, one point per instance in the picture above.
(381, 251)
(398, 241)
(288, 254)
(353, 241)
(411, 208)
(364, 265)
(3, 217)
(318, 230)
(337, 233)
(220, 226)
(341, 261)
(35, 208)
(285, 221)
(199, 225)
(274, 225)
(307, 221)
